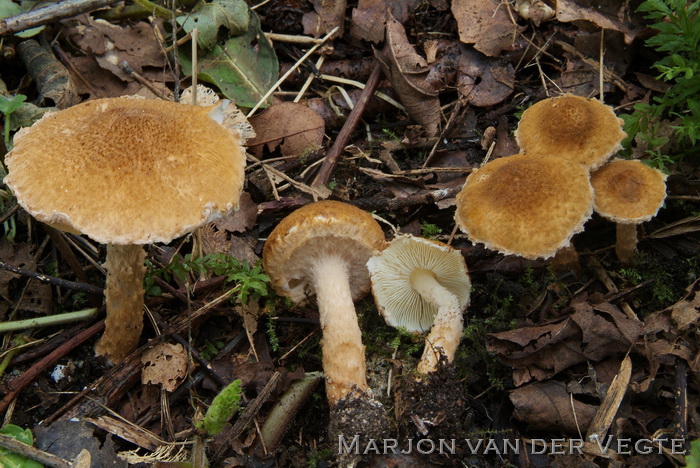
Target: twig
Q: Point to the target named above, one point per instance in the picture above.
(82, 287)
(49, 320)
(49, 13)
(33, 453)
(324, 173)
(16, 385)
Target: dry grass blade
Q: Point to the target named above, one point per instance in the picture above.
(680, 227)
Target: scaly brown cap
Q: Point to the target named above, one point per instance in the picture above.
(628, 192)
(319, 229)
(582, 130)
(127, 171)
(529, 206)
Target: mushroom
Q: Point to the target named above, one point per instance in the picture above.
(417, 283)
(321, 249)
(628, 192)
(126, 172)
(571, 127)
(529, 206)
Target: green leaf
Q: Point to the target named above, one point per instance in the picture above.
(9, 8)
(222, 408)
(244, 68)
(10, 459)
(9, 105)
(232, 15)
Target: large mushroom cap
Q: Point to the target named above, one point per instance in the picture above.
(582, 130)
(315, 230)
(398, 302)
(628, 192)
(127, 171)
(525, 205)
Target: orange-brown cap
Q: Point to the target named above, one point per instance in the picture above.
(529, 206)
(127, 171)
(628, 191)
(582, 130)
(318, 229)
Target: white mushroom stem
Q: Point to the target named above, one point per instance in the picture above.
(343, 353)
(626, 243)
(123, 300)
(447, 327)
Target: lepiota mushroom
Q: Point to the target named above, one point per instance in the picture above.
(322, 249)
(628, 193)
(418, 283)
(126, 172)
(529, 206)
(575, 128)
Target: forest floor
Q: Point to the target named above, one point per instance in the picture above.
(550, 355)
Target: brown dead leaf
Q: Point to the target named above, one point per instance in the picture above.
(485, 23)
(327, 15)
(16, 254)
(37, 297)
(291, 126)
(111, 45)
(549, 406)
(407, 72)
(679, 316)
(609, 14)
(590, 333)
(484, 81)
(369, 18)
(164, 364)
(242, 219)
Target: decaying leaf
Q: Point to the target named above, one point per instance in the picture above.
(124, 430)
(244, 67)
(369, 18)
(232, 17)
(293, 127)
(164, 364)
(485, 23)
(16, 254)
(484, 81)
(52, 78)
(407, 72)
(550, 406)
(327, 15)
(608, 14)
(68, 438)
(592, 332)
(242, 219)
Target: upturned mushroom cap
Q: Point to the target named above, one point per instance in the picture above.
(319, 229)
(628, 192)
(127, 171)
(529, 206)
(571, 127)
(397, 301)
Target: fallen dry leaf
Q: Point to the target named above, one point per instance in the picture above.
(608, 14)
(164, 364)
(550, 406)
(327, 15)
(369, 18)
(485, 23)
(407, 72)
(484, 81)
(242, 219)
(16, 254)
(590, 333)
(291, 126)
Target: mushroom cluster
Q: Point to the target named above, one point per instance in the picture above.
(531, 204)
(127, 172)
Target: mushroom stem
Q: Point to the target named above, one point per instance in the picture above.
(447, 327)
(123, 300)
(626, 243)
(343, 353)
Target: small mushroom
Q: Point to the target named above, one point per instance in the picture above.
(529, 206)
(126, 172)
(571, 127)
(322, 249)
(418, 283)
(629, 193)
